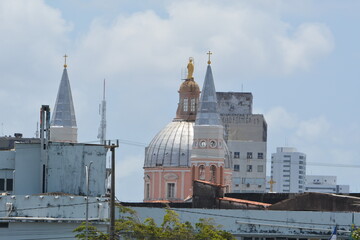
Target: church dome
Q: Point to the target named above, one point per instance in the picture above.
(171, 147)
(189, 86)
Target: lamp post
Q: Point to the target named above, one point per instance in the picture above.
(87, 173)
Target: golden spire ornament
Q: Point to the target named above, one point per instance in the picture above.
(65, 65)
(209, 53)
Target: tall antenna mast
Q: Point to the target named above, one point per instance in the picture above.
(102, 127)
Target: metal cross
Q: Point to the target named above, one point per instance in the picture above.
(65, 56)
(209, 53)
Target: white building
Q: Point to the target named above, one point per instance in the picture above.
(46, 184)
(324, 184)
(246, 136)
(288, 170)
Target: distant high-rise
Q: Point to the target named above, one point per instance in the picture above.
(288, 170)
(63, 123)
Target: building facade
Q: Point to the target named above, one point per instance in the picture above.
(288, 170)
(246, 137)
(324, 184)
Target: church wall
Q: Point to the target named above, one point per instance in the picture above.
(157, 180)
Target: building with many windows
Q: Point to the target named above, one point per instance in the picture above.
(246, 136)
(288, 170)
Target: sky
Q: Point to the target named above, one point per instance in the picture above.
(300, 60)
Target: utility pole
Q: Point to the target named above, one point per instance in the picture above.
(112, 191)
(87, 173)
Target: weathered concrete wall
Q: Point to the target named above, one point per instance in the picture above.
(205, 195)
(42, 230)
(27, 169)
(66, 168)
(234, 102)
(52, 208)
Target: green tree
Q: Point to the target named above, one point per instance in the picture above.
(130, 227)
(356, 234)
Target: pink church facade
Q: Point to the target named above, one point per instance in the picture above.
(182, 152)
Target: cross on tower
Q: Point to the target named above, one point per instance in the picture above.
(65, 56)
(271, 182)
(209, 53)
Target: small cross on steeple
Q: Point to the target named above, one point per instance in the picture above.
(65, 65)
(209, 53)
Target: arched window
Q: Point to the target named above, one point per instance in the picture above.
(221, 175)
(202, 172)
(212, 174)
(186, 104)
(192, 108)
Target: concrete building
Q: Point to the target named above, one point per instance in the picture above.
(246, 137)
(46, 187)
(288, 170)
(324, 184)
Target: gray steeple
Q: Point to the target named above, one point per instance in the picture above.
(64, 113)
(208, 113)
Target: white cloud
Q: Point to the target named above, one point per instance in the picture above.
(308, 43)
(242, 37)
(313, 129)
(278, 118)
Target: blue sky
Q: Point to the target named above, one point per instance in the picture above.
(300, 59)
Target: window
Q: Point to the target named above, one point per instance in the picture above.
(236, 180)
(171, 190)
(249, 155)
(236, 154)
(201, 172)
(2, 184)
(192, 108)
(147, 191)
(9, 184)
(286, 170)
(213, 174)
(301, 157)
(249, 168)
(260, 168)
(236, 167)
(286, 165)
(186, 103)
(260, 155)
(286, 161)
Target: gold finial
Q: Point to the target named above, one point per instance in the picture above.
(190, 68)
(209, 53)
(271, 182)
(65, 65)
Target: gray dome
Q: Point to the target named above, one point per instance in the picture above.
(171, 147)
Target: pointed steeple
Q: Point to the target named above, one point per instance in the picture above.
(63, 122)
(64, 113)
(208, 113)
